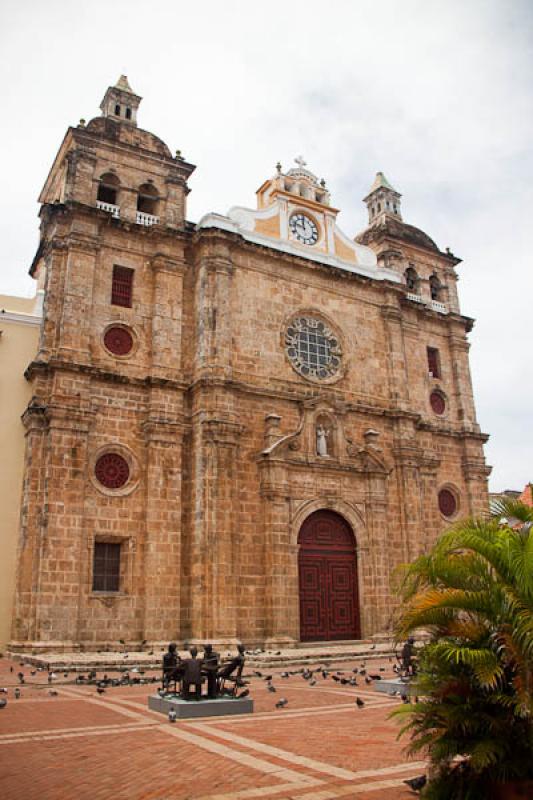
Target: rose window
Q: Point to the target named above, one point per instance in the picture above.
(312, 348)
(118, 340)
(112, 470)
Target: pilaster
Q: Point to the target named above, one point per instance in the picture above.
(281, 597)
(167, 357)
(216, 539)
(396, 363)
(163, 529)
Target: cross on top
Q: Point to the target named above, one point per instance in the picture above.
(300, 161)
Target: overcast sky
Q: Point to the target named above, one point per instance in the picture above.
(438, 95)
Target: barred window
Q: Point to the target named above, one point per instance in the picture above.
(122, 287)
(106, 567)
(312, 348)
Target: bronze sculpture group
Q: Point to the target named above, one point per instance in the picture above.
(222, 680)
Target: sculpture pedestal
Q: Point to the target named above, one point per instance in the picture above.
(190, 709)
(395, 686)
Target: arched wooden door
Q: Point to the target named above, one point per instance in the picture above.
(327, 567)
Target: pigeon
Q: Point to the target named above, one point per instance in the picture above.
(355, 670)
(284, 674)
(416, 783)
(360, 703)
(53, 693)
(20, 676)
(172, 715)
(325, 673)
(344, 681)
(11, 669)
(3, 702)
(312, 683)
(267, 678)
(382, 669)
(243, 694)
(17, 693)
(362, 671)
(100, 690)
(373, 647)
(33, 672)
(282, 703)
(353, 682)
(3, 691)
(375, 677)
(259, 674)
(336, 678)
(368, 680)
(271, 688)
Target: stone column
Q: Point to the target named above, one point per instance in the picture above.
(431, 521)
(76, 313)
(33, 523)
(59, 577)
(407, 457)
(167, 317)
(375, 605)
(476, 474)
(213, 308)
(215, 542)
(281, 599)
(163, 523)
(396, 363)
(462, 382)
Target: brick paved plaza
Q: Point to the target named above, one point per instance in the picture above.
(82, 745)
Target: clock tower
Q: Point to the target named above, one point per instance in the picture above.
(294, 214)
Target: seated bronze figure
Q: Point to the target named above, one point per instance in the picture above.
(194, 671)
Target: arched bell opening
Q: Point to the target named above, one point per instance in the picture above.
(328, 583)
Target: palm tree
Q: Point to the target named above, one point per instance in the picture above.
(473, 595)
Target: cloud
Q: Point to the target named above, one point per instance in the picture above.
(436, 94)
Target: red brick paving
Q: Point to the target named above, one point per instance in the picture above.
(97, 747)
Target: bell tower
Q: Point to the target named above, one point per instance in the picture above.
(382, 200)
(120, 102)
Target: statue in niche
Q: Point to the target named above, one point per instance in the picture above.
(322, 440)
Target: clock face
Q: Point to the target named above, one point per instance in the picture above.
(304, 229)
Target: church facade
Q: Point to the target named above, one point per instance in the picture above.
(238, 428)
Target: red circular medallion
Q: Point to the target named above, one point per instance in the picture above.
(112, 470)
(118, 340)
(438, 403)
(447, 503)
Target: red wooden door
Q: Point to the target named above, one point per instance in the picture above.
(328, 579)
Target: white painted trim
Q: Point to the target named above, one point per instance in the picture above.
(368, 270)
(23, 319)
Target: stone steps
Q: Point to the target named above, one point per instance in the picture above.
(327, 653)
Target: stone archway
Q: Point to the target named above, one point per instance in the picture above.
(327, 573)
